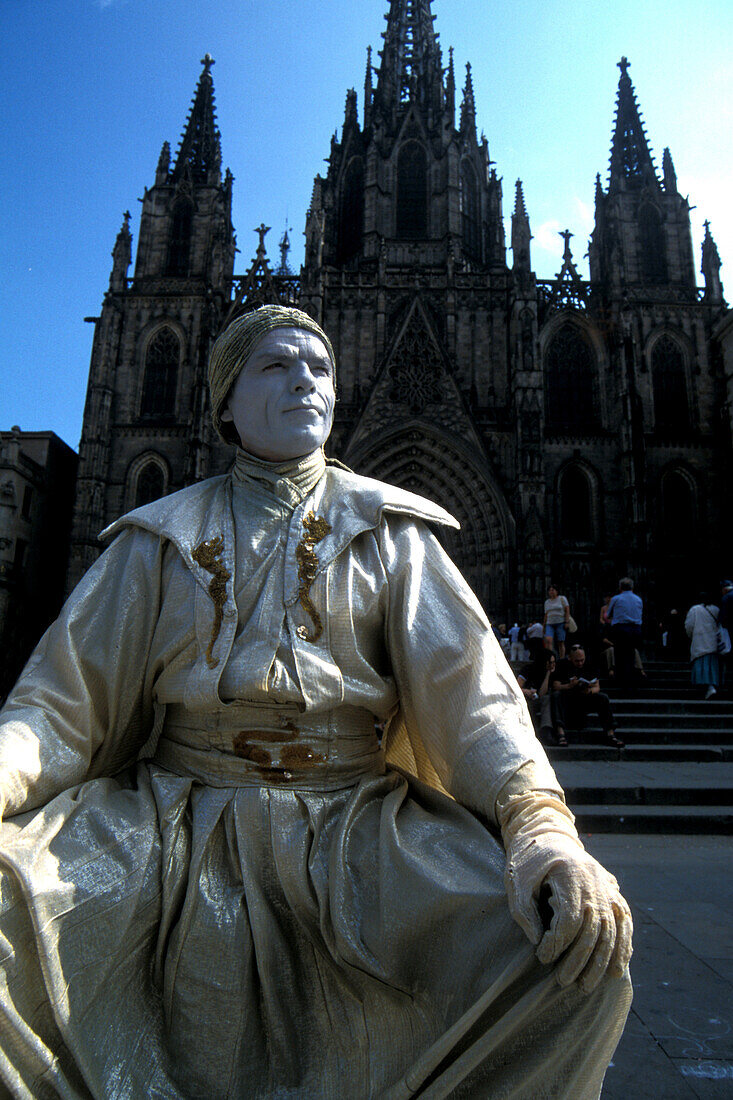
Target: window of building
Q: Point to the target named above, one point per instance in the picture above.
(652, 246)
(570, 367)
(412, 192)
(150, 484)
(576, 506)
(27, 502)
(678, 519)
(161, 375)
(470, 216)
(351, 222)
(669, 382)
(179, 250)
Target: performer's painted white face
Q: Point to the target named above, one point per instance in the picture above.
(282, 402)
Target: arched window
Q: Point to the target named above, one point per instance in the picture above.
(161, 375)
(570, 370)
(678, 518)
(150, 484)
(470, 218)
(651, 245)
(179, 250)
(576, 506)
(412, 192)
(351, 222)
(669, 382)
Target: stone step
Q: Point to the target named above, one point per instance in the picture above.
(601, 818)
(690, 706)
(649, 734)
(673, 720)
(682, 754)
(651, 795)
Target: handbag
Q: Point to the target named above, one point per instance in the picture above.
(572, 625)
(722, 637)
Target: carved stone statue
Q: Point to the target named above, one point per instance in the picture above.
(252, 784)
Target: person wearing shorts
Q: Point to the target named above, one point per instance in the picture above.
(555, 624)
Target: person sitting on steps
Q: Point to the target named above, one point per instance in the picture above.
(577, 694)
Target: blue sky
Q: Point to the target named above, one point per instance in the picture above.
(94, 87)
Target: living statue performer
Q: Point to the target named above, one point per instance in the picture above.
(216, 880)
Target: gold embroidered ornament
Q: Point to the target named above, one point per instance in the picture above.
(315, 530)
(208, 556)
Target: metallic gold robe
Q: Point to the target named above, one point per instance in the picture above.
(213, 880)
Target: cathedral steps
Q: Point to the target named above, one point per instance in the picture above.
(675, 774)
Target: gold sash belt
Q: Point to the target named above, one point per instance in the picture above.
(256, 744)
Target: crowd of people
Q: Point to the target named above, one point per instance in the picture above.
(560, 669)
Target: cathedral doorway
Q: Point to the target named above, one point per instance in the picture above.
(434, 466)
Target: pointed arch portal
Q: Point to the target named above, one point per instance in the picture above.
(426, 463)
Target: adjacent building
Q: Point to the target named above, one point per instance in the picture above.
(37, 474)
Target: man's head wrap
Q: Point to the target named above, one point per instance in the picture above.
(237, 342)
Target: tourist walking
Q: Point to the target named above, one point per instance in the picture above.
(701, 625)
(516, 645)
(623, 615)
(556, 621)
(535, 639)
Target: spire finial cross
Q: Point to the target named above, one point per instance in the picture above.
(207, 61)
(623, 65)
(566, 235)
(263, 230)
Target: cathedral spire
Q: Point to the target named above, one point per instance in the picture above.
(521, 235)
(468, 105)
(410, 66)
(668, 173)
(368, 89)
(200, 148)
(631, 159)
(711, 268)
(450, 87)
(121, 255)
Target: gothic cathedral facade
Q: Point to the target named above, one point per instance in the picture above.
(575, 428)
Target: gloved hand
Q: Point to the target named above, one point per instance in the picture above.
(591, 923)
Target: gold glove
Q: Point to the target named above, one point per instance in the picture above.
(591, 923)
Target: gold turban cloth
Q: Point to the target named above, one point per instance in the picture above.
(237, 342)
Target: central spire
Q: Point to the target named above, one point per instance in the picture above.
(200, 148)
(631, 158)
(410, 61)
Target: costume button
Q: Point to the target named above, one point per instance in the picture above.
(302, 633)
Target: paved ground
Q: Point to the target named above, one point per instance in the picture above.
(678, 1043)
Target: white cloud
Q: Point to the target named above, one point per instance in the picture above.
(547, 238)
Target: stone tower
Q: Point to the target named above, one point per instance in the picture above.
(406, 266)
(146, 432)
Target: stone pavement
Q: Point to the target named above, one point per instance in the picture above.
(678, 1043)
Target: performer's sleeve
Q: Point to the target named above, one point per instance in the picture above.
(83, 704)
(460, 703)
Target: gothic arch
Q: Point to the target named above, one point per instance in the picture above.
(572, 399)
(652, 244)
(470, 210)
(148, 478)
(161, 363)
(441, 469)
(668, 362)
(678, 505)
(351, 210)
(577, 504)
(412, 192)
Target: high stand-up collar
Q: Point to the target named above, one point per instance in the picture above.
(291, 481)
